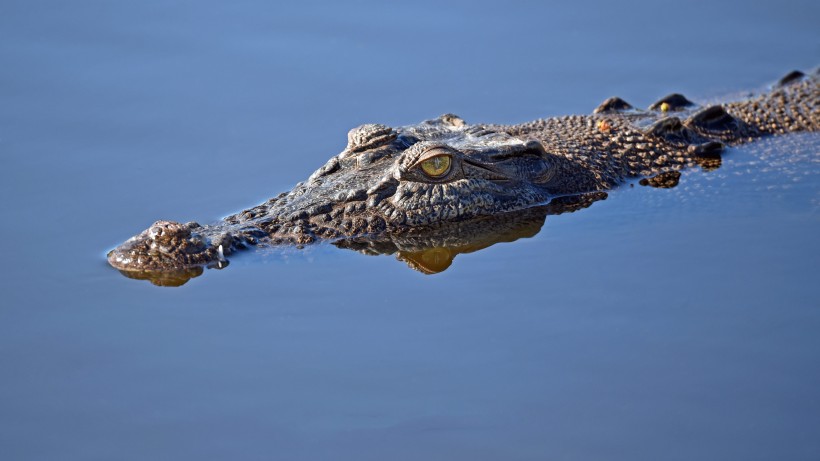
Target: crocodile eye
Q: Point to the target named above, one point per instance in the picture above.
(437, 166)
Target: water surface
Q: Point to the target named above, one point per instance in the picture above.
(656, 324)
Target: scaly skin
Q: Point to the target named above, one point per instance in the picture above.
(377, 186)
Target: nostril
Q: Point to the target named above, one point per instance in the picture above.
(168, 230)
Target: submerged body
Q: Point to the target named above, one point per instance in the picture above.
(419, 178)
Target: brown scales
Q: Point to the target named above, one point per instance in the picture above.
(375, 188)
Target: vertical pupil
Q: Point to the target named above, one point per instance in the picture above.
(436, 166)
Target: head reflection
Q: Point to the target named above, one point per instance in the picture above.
(431, 251)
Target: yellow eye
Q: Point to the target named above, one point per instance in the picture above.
(437, 166)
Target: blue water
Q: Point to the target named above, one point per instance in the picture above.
(657, 324)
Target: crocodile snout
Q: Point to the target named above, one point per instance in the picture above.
(163, 246)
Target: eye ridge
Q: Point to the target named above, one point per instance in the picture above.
(437, 166)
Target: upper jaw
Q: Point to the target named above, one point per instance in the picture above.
(163, 246)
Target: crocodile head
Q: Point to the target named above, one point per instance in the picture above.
(423, 175)
(385, 181)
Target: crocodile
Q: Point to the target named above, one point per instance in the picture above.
(423, 179)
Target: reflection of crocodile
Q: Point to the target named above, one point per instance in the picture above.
(432, 250)
(408, 180)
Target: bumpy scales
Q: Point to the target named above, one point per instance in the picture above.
(404, 180)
